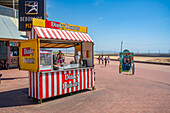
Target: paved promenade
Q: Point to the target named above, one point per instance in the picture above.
(148, 91)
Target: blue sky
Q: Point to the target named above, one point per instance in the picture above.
(142, 25)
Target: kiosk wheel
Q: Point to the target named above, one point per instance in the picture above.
(133, 69)
(40, 101)
(120, 70)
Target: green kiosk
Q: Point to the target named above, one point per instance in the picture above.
(126, 62)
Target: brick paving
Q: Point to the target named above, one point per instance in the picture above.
(147, 91)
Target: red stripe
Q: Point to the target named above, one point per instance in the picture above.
(55, 34)
(88, 37)
(84, 75)
(72, 88)
(82, 37)
(47, 86)
(78, 37)
(58, 85)
(37, 84)
(88, 78)
(33, 86)
(46, 70)
(60, 35)
(85, 37)
(68, 82)
(92, 77)
(33, 34)
(62, 81)
(69, 35)
(52, 84)
(80, 79)
(37, 32)
(73, 36)
(40, 86)
(64, 35)
(30, 85)
(30, 35)
(45, 36)
(49, 34)
(76, 73)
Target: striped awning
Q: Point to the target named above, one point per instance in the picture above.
(49, 33)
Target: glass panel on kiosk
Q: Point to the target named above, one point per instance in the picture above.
(46, 63)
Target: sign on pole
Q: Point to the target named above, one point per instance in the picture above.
(29, 9)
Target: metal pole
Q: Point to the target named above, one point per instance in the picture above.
(13, 5)
(14, 8)
(121, 45)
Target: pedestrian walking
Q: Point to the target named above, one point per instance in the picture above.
(108, 59)
(105, 59)
(102, 59)
(99, 58)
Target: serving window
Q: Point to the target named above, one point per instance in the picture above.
(60, 59)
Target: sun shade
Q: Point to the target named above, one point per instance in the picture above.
(49, 33)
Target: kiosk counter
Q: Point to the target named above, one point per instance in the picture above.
(49, 78)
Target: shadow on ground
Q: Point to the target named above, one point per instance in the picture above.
(13, 78)
(19, 97)
(13, 98)
(66, 95)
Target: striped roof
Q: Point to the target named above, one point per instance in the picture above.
(49, 33)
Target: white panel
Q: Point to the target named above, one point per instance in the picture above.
(44, 85)
(55, 84)
(49, 84)
(86, 46)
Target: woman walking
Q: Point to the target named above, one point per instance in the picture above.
(102, 59)
(99, 58)
(105, 61)
(108, 59)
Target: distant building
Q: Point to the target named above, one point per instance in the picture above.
(9, 3)
(10, 36)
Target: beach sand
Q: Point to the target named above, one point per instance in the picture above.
(152, 59)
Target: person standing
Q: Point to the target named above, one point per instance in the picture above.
(77, 58)
(108, 59)
(102, 59)
(105, 59)
(60, 56)
(99, 58)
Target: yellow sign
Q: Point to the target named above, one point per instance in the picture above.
(29, 55)
(58, 25)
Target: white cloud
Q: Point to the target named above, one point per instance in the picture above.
(101, 18)
(98, 2)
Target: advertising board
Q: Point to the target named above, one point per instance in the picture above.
(58, 25)
(29, 55)
(29, 9)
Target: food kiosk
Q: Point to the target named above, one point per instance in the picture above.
(126, 62)
(45, 78)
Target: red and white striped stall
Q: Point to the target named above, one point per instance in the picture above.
(49, 84)
(46, 84)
